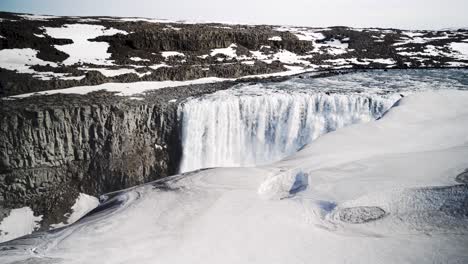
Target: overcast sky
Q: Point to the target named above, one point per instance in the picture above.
(410, 14)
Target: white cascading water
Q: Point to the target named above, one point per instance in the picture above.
(256, 126)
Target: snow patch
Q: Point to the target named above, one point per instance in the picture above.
(18, 223)
(38, 17)
(229, 52)
(275, 38)
(82, 50)
(138, 59)
(128, 89)
(83, 205)
(21, 61)
(167, 54)
(461, 48)
(114, 72)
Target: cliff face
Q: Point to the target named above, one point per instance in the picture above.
(50, 152)
(53, 147)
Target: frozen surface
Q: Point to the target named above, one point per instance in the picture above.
(257, 124)
(19, 222)
(379, 192)
(82, 50)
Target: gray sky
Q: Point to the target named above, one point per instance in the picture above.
(410, 14)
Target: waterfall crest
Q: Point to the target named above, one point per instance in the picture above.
(254, 127)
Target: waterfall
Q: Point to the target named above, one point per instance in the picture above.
(257, 126)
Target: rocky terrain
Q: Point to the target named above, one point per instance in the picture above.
(58, 52)
(53, 147)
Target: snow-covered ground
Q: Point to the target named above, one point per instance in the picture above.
(138, 88)
(379, 192)
(82, 50)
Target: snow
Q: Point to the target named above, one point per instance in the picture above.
(140, 19)
(169, 27)
(157, 66)
(461, 48)
(138, 59)
(282, 55)
(248, 62)
(38, 17)
(288, 57)
(114, 72)
(382, 61)
(333, 47)
(457, 64)
(125, 89)
(229, 52)
(19, 222)
(82, 50)
(275, 38)
(83, 205)
(129, 89)
(167, 54)
(21, 60)
(309, 36)
(418, 39)
(412, 34)
(306, 208)
(39, 35)
(363, 61)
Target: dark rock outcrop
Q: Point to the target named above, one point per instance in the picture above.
(50, 151)
(53, 147)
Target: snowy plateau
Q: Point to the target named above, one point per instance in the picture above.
(264, 144)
